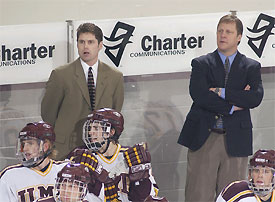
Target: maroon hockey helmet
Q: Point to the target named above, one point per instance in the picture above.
(71, 182)
(263, 158)
(108, 115)
(40, 130)
(75, 172)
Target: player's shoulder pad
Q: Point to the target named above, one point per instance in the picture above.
(237, 188)
(10, 168)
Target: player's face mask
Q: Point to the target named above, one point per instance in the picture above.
(67, 190)
(30, 151)
(95, 134)
(261, 180)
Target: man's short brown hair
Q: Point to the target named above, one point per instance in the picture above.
(232, 19)
(90, 28)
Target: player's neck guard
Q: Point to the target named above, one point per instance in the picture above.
(107, 147)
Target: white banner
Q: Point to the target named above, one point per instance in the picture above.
(168, 44)
(28, 53)
(136, 46)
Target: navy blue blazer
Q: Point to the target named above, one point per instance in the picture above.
(208, 72)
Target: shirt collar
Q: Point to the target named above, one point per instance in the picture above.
(231, 57)
(86, 67)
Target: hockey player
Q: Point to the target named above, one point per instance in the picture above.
(261, 181)
(130, 174)
(71, 185)
(35, 177)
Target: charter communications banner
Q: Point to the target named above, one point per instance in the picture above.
(28, 53)
(168, 44)
(136, 46)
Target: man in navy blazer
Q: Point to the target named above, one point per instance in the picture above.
(218, 128)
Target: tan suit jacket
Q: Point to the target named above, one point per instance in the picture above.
(66, 102)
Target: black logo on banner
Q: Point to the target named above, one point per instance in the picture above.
(119, 27)
(18, 56)
(269, 24)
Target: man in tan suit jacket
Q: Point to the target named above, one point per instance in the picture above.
(66, 102)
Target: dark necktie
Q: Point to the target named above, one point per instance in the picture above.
(219, 123)
(226, 69)
(91, 87)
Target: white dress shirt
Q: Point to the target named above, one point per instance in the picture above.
(86, 67)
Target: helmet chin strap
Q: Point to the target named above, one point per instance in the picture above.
(46, 154)
(108, 144)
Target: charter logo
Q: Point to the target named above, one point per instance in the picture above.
(155, 46)
(264, 24)
(126, 31)
(24, 56)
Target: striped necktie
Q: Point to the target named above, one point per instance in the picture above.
(219, 123)
(91, 87)
(226, 69)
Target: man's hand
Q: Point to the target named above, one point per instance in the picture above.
(247, 87)
(218, 91)
(237, 108)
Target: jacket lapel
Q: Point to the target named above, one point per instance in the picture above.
(81, 81)
(102, 78)
(235, 65)
(218, 69)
